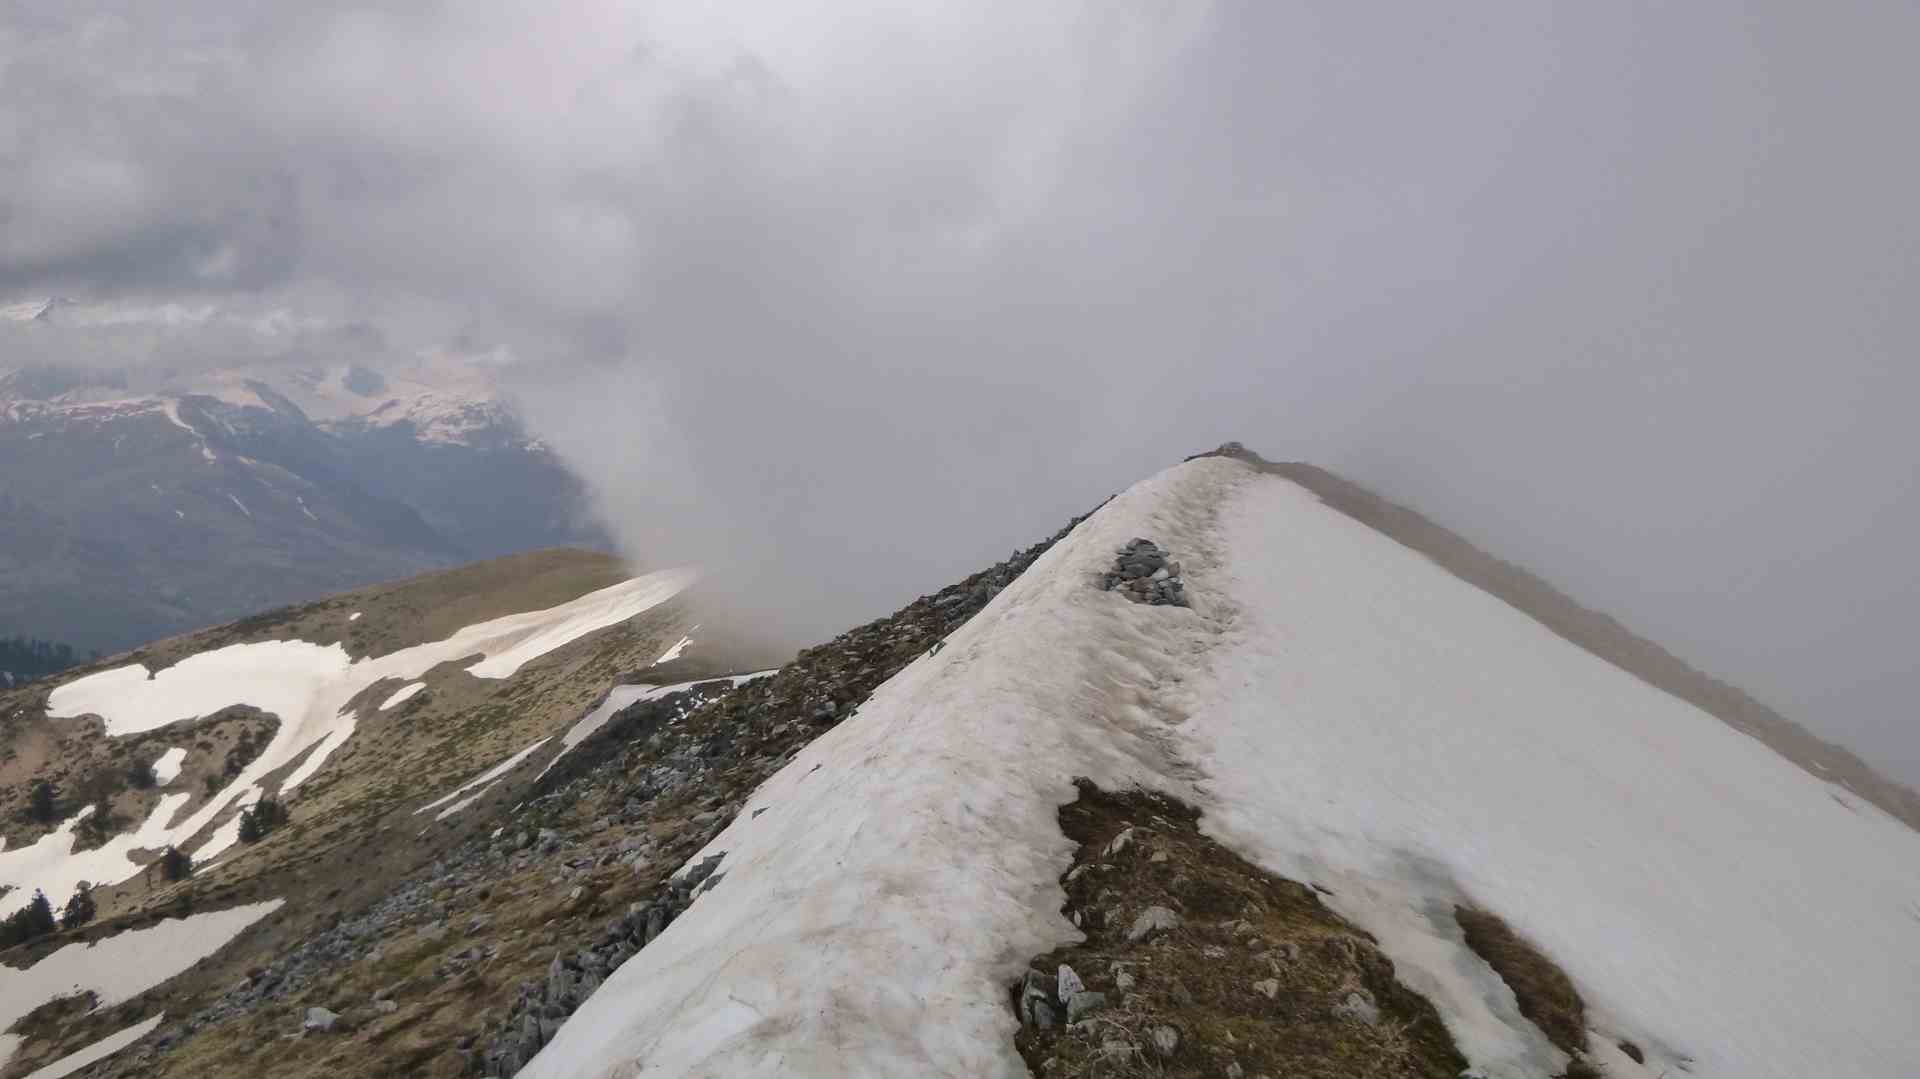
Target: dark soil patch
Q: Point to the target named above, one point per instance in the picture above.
(1256, 978)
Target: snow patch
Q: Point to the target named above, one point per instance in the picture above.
(402, 695)
(99, 1050)
(543, 631)
(308, 686)
(620, 697)
(479, 785)
(243, 506)
(225, 836)
(121, 967)
(354, 617)
(170, 408)
(167, 768)
(673, 653)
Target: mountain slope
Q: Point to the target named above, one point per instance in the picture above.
(1607, 638)
(353, 712)
(1343, 713)
(128, 513)
(1290, 798)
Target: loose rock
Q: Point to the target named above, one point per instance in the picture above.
(1152, 920)
(1358, 1007)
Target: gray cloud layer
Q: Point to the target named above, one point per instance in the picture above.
(849, 305)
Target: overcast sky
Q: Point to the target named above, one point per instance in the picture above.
(853, 302)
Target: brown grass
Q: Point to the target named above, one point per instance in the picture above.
(1546, 995)
(1252, 975)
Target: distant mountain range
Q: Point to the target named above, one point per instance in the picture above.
(139, 504)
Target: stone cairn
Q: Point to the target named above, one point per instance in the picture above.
(1143, 574)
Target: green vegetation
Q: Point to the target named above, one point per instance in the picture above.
(43, 803)
(261, 818)
(31, 921)
(175, 864)
(80, 908)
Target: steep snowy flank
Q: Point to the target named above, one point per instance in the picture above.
(1344, 713)
(308, 686)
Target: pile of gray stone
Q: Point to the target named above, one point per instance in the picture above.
(1143, 573)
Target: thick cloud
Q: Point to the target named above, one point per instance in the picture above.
(850, 302)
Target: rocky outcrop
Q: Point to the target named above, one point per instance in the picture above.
(1143, 573)
(1197, 963)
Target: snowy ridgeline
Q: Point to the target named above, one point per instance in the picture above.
(1344, 712)
(308, 686)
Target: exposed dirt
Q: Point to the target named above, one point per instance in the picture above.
(1251, 975)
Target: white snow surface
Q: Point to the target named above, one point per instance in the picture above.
(99, 1050)
(167, 768)
(354, 617)
(402, 695)
(308, 686)
(673, 653)
(1344, 712)
(124, 965)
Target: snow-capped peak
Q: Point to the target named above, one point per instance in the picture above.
(1343, 712)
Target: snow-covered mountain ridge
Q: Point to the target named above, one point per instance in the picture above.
(1302, 785)
(1343, 713)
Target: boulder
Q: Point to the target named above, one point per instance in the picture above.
(1152, 920)
(1358, 1008)
(1083, 1004)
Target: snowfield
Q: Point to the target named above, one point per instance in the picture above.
(1345, 713)
(167, 768)
(125, 965)
(308, 686)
